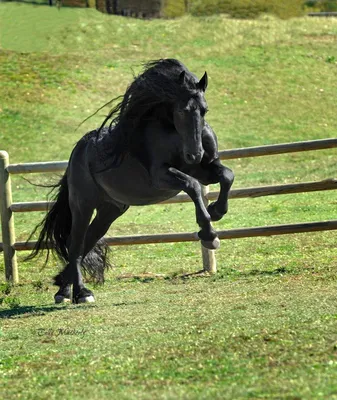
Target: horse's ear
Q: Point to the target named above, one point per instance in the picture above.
(182, 77)
(202, 84)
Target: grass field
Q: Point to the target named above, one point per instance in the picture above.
(265, 327)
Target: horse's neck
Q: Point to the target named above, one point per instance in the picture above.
(163, 113)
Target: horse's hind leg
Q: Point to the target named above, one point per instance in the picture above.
(63, 295)
(80, 224)
(81, 213)
(106, 214)
(71, 274)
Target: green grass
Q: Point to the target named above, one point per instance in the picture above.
(263, 327)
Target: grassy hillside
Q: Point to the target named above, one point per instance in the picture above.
(265, 326)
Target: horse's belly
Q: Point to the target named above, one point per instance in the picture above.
(130, 184)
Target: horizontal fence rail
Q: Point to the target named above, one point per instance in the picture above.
(282, 148)
(323, 14)
(8, 207)
(328, 184)
(272, 230)
(268, 150)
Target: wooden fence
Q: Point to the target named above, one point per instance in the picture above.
(323, 14)
(9, 246)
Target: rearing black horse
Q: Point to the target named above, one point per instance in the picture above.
(157, 144)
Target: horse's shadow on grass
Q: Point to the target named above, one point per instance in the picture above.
(34, 311)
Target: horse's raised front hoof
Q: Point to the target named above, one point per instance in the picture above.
(214, 213)
(212, 245)
(84, 296)
(59, 299)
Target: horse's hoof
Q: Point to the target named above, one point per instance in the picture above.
(61, 299)
(213, 212)
(84, 296)
(86, 299)
(212, 245)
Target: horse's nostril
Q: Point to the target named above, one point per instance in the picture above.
(190, 157)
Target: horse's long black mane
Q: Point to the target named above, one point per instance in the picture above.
(157, 85)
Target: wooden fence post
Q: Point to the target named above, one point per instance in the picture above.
(208, 256)
(7, 220)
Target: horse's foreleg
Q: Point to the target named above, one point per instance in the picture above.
(175, 179)
(225, 177)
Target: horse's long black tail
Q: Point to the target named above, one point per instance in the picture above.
(55, 229)
(56, 225)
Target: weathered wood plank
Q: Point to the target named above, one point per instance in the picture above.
(193, 236)
(37, 167)
(327, 184)
(7, 221)
(323, 14)
(59, 166)
(278, 149)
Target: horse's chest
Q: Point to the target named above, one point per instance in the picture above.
(130, 184)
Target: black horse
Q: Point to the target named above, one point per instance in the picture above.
(157, 144)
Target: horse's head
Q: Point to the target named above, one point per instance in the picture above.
(188, 118)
